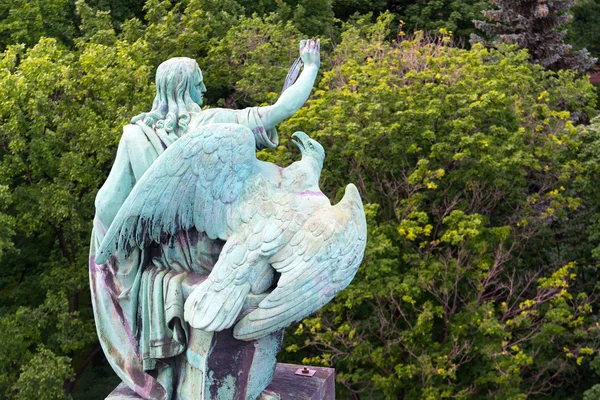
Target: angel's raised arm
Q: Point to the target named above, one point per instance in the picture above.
(296, 95)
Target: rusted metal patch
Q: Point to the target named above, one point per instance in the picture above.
(305, 371)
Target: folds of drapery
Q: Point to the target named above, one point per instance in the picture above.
(163, 332)
(138, 302)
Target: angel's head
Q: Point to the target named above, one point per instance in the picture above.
(179, 91)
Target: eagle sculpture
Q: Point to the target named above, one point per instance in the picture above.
(275, 222)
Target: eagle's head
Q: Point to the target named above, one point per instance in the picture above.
(311, 150)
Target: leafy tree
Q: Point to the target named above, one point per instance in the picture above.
(465, 161)
(238, 66)
(592, 394)
(584, 29)
(344, 9)
(42, 377)
(462, 157)
(119, 10)
(60, 122)
(314, 17)
(455, 16)
(26, 21)
(585, 233)
(537, 26)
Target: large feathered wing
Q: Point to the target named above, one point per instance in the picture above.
(194, 183)
(215, 304)
(243, 266)
(317, 263)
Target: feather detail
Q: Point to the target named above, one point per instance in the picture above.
(310, 274)
(200, 163)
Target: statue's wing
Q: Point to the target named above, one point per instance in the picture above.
(215, 304)
(318, 262)
(243, 266)
(194, 183)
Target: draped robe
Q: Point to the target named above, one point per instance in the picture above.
(138, 301)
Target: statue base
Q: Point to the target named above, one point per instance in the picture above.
(290, 382)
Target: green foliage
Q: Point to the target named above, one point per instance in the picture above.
(464, 158)
(252, 50)
(95, 25)
(189, 29)
(584, 30)
(345, 8)
(62, 116)
(119, 10)
(314, 17)
(482, 201)
(42, 377)
(592, 394)
(26, 21)
(455, 16)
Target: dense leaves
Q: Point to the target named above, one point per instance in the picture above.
(61, 116)
(585, 27)
(484, 213)
(455, 16)
(462, 155)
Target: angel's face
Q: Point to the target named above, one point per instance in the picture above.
(198, 88)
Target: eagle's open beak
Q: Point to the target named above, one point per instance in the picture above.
(301, 140)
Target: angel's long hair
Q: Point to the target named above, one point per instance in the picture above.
(173, 102)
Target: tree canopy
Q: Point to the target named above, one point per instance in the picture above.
(480, 189)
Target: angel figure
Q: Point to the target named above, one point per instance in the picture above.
(138, 298)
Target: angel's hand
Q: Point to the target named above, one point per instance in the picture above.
(309, 53)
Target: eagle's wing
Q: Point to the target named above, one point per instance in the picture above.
(195, 182)
(243, 266)
(215, 304)
(318, 262)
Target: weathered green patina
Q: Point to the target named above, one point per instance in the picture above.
(192, 233)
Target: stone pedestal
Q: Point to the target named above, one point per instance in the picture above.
(289, 386)
(286, 384)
